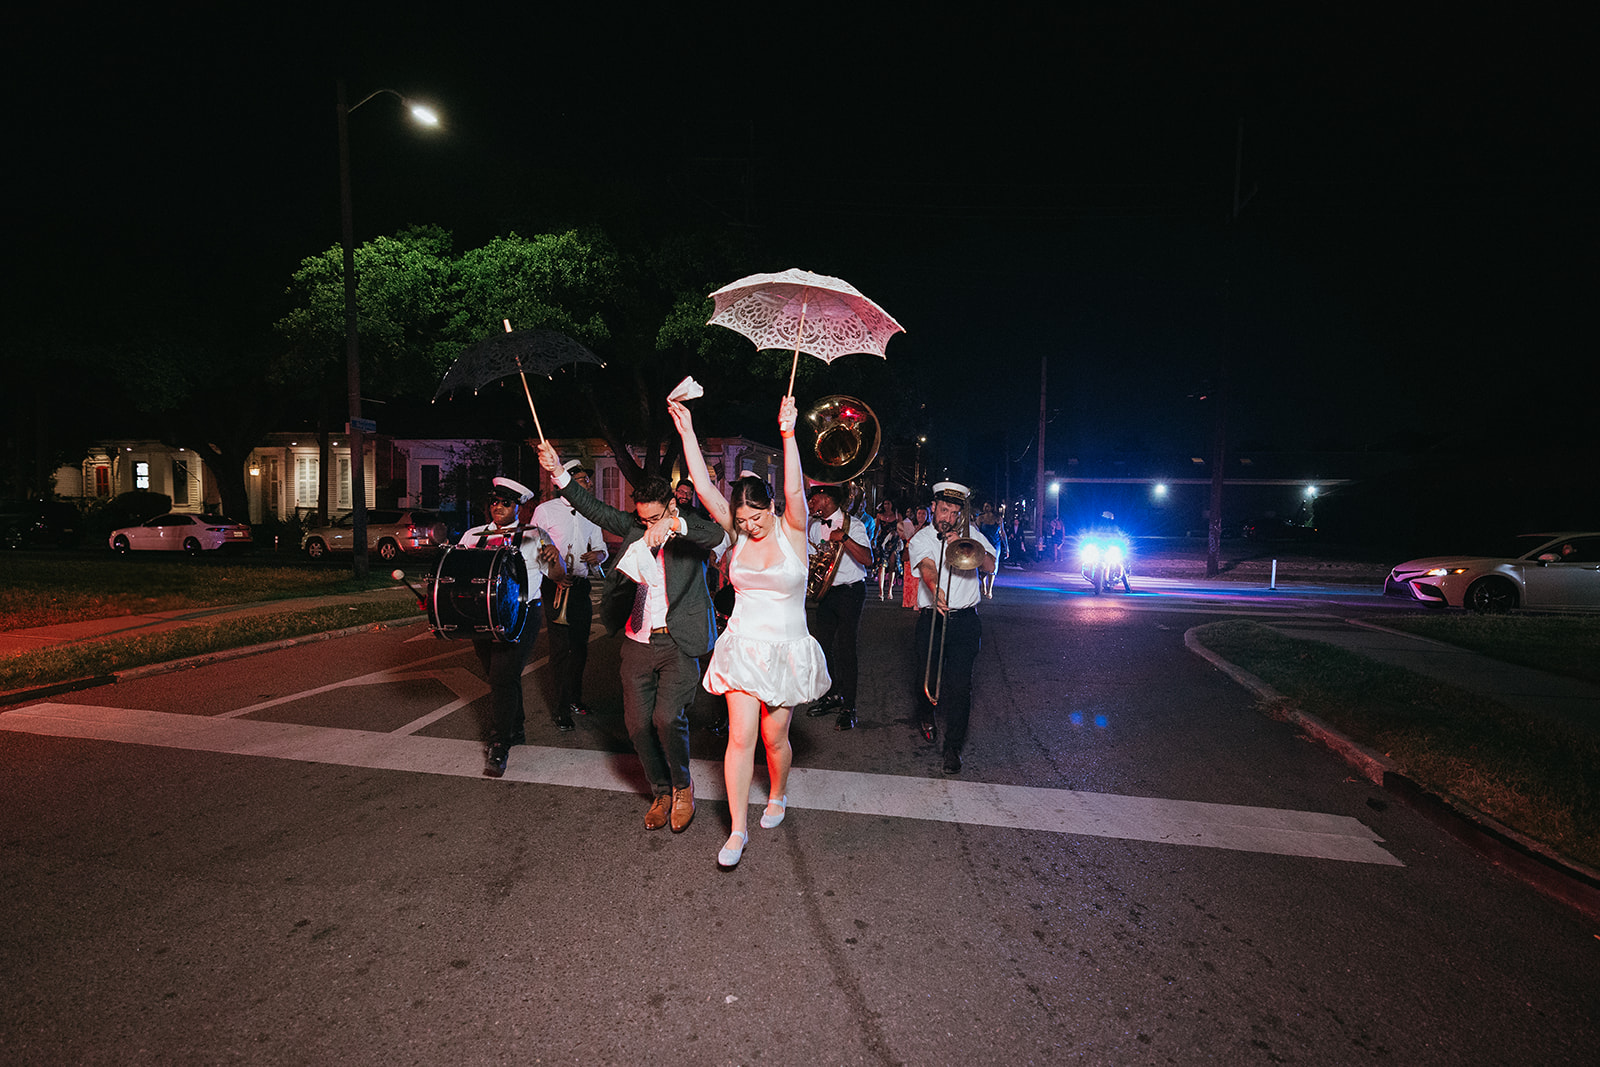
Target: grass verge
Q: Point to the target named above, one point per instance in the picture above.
(44, 589)
(92, 658)
(1537, 776)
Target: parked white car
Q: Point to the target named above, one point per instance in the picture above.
(1560, 571)
(181, 532)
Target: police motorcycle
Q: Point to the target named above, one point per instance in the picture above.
(1103, 556)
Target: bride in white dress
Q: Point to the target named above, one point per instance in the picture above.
(765, 661)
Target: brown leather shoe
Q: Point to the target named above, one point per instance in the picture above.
(682, 809)
(656, 817)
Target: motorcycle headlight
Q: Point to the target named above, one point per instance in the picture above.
(1114, 555)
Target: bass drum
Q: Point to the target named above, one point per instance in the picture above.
(478, 594)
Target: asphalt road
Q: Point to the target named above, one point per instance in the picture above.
(293, 858)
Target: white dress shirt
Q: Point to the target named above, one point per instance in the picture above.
(849, 571)
(963, 590)
(571, 533)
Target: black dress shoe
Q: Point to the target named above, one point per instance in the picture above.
(825, 705)
(847, 720)
(563, 723)
(952, 763)
(494, 760)
(577, 709)
(929, 732)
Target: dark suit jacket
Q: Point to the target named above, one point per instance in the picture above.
(690, 620)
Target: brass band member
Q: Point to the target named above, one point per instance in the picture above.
(567, 604)
(503, 661)
(836, 619)
(947, 599)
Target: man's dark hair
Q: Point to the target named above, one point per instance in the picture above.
(653, 490)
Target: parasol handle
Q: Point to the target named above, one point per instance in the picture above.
(805, 301)
(525, 392)
(529, 395)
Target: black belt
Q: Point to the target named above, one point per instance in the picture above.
(847, 585)
(953, 611)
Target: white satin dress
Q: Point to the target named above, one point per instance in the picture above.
(766, 650)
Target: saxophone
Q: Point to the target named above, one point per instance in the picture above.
(825, 563)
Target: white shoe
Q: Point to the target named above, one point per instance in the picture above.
(729, 856)
(769, 820)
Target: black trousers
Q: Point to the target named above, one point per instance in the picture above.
(961, 644)
(835, 623)
(502, 666)
(569, 643)
(658, 685)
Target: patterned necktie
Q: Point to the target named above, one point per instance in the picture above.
(641, 594)
(636, 619)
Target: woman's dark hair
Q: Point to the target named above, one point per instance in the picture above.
(750, 492)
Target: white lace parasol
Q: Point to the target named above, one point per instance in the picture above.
(813, 313)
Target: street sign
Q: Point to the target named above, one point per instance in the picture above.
(364, 425)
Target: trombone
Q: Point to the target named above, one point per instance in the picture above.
(965, 553)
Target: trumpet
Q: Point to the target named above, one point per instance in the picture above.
(965, 553)
(558, 610)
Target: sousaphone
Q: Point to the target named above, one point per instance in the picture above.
(838, 438)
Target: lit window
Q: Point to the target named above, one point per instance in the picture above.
(141, 475)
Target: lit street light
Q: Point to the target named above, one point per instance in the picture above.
(359, 427)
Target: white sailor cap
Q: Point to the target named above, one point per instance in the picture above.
(951, 492)
(573, 465)
(507, 486)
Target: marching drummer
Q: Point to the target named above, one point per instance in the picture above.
(503, 661)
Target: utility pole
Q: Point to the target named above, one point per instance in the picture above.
(1038, 463)
(1219, 444)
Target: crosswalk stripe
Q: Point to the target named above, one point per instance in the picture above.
(1172, 822)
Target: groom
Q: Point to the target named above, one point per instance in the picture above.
(656, 594)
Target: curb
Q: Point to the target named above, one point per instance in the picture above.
(18, 696)
(1532, 861)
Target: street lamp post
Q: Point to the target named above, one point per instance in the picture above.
(352, 341)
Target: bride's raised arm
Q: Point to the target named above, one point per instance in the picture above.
(715, 504)
(795, 515)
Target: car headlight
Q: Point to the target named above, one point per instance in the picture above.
(1440, 572)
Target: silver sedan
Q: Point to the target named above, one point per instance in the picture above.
(1550, 570)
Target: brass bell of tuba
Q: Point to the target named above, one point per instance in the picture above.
(838, 438)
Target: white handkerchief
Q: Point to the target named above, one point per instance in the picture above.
(634, 561)
(688, 389)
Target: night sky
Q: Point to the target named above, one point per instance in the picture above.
(1417, 189)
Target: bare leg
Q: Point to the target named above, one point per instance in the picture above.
(739, 761)
(775, 736)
